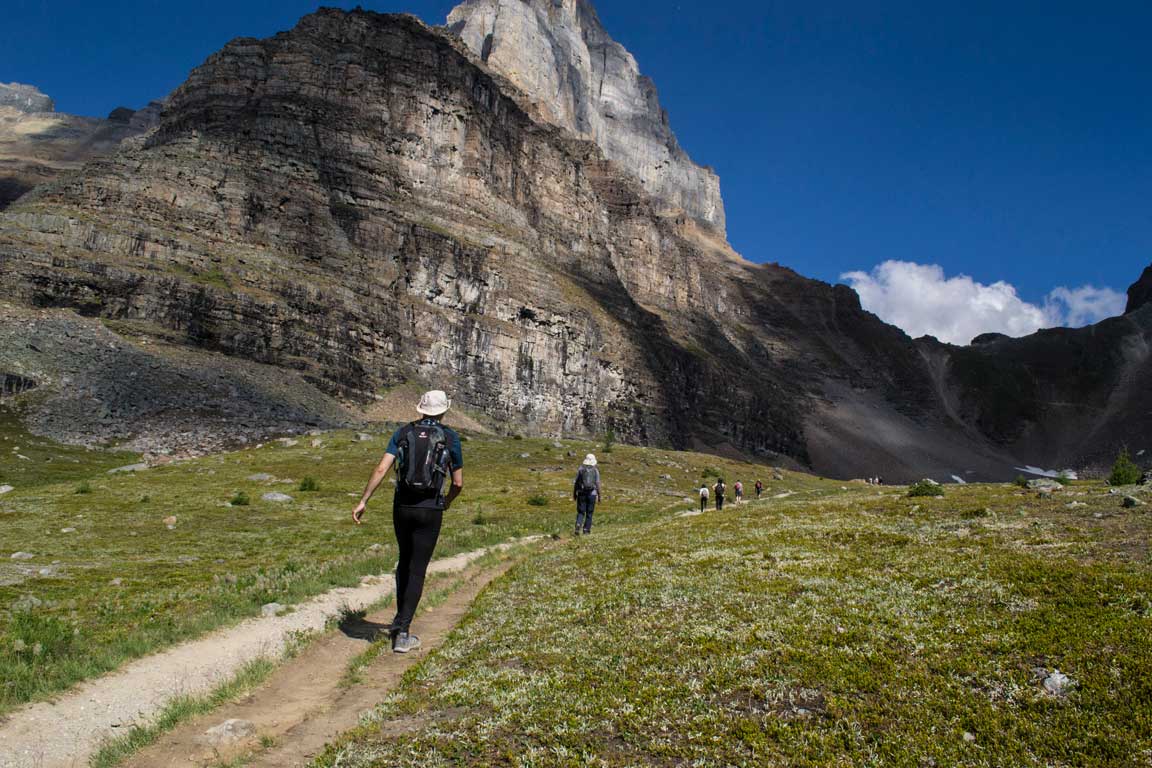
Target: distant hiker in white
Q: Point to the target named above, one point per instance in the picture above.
(703, 496)
(425, 453)
(586, 492)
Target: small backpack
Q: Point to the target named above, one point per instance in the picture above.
(586, 479)
(423, 457)
(720, 488)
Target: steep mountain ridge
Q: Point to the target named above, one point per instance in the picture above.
(364, 201)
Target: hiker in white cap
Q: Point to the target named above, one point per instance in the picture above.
(586, 492)
(425, 454)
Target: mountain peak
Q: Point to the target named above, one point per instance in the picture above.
(560, 55)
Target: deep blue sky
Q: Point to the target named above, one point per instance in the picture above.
(1007, 141)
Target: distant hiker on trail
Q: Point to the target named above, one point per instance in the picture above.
(586, 492)
(703, 496)
(719, 489)
(759, 488)
(425, 453)
(739, 490)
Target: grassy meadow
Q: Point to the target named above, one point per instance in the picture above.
(111, 577)
(855, 629)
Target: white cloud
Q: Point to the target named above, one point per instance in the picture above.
(920, 299)
(1085, 305)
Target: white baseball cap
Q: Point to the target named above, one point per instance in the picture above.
(434, 403)
(590, 460)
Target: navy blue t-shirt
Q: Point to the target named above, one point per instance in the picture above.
(409, 498)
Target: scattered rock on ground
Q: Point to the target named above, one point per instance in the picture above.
(1075, 504)
(228, 732)
(6, 489)
(22, 555)
(665, 477)
(277, 497)
(1131, 501)
(116, 582)
(288, 442)
(363, 437)
(67, 530)
(261, 477)
(1044, 485)
(170, 521)
(525, 455)
(1055, 683)
(969, 737)
(27, 603)
(375, 547)
(271, 609)
(128, 468)
(317, 443)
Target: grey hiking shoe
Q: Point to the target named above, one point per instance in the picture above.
(402, 642)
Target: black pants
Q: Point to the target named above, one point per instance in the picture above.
(585, 506)
(417, 529)
(719, 502)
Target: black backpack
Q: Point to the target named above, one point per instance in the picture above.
(423, 457)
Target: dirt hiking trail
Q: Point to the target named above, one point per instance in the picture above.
(304, 705)
(66, 732)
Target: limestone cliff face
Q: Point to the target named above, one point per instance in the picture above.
(559, 54)
(361, 200)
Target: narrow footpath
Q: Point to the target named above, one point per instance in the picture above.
(66, 732)
(305, 705)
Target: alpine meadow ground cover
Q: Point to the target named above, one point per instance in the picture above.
(866, 628)
(145, 559)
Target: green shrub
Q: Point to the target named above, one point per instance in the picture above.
(925, 488)
(1021, 481)
(309, 484)
(84, 487)
(609, 440)
(241, 499)
(1063, 479)
(478, 518)
(538, 499)
(1124, 471)
(709, 472)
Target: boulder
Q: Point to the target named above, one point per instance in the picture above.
(22, 555)
(271, 609)
(261, 477)
(276, 496)
(1131, 501)
(1055, 683)
(228, 732)
(363, 437)
(1044, 485)
(170, 521)
(6, 489)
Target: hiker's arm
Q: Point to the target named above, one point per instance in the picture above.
(378, 476)
(457, 486)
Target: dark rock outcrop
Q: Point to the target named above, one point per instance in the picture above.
(1140, 292)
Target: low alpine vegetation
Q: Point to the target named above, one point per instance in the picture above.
(1124, 470)
(925, 488)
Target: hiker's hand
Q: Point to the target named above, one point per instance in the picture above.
(358, 513)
